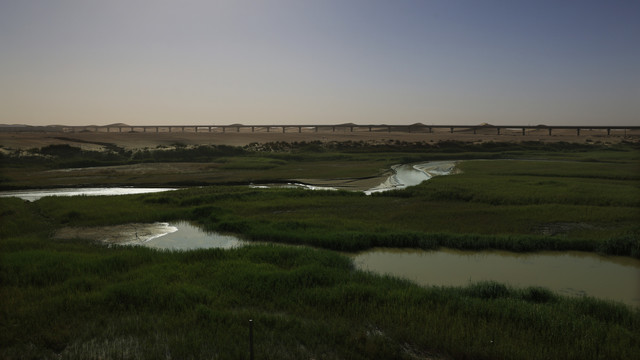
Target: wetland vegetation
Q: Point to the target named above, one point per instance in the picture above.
(77, 299)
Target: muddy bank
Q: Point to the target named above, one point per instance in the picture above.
(179, 235)
(135, 233)
(413, 174)
(396, 178)
(353, 184)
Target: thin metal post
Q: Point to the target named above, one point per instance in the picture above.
(251, 339)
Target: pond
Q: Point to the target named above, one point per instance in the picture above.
(188, 237)
(180, 235)
(568, 273)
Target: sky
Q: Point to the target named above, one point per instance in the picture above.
(220, 62)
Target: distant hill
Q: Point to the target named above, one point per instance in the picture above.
(13, 125)
(24, 127)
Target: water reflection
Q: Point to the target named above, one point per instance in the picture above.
(188, 236)
(33, 195)
(413, 174)
(569, 273)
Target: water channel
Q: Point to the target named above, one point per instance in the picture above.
(404, 175)
(33, 195)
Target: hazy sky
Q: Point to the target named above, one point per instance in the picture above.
(555, 62)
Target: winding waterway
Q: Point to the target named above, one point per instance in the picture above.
(403, 176)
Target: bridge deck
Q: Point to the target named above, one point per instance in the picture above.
(417, 128)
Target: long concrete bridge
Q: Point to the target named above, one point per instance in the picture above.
(416, 128)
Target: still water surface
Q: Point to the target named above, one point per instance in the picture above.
(185, 236)
(568, 273)
(33, 195)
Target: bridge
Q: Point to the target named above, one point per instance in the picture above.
(415, 128)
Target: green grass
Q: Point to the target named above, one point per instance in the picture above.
(74, 299)
(517, 205)
(87, 301)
